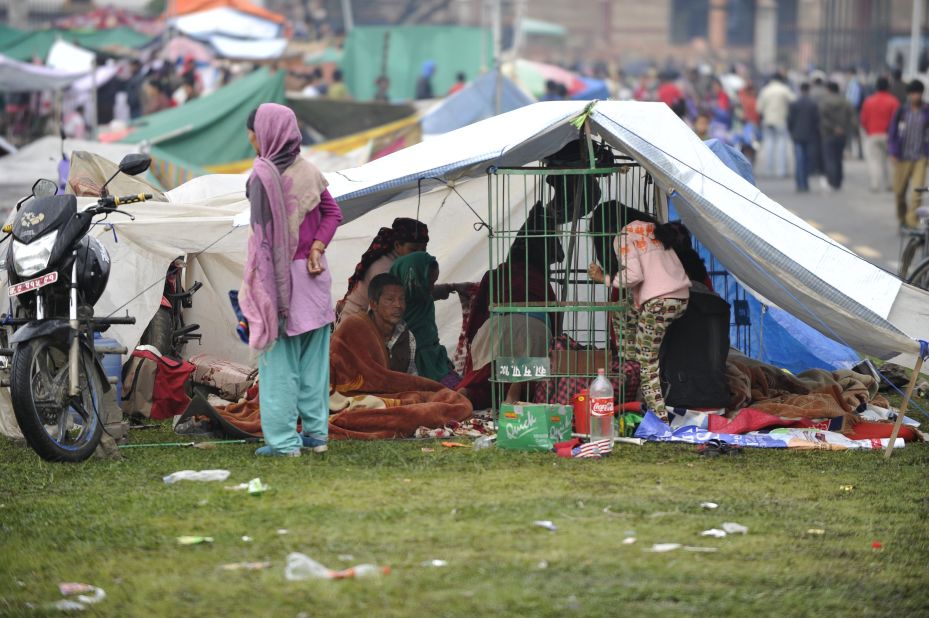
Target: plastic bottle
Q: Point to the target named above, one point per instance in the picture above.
(601, 407)
(484, 442)
(362, 570)
(300, 566)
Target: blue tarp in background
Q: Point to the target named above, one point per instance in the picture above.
(477, 101)
(775, 336)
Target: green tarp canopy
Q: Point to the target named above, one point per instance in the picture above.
(210, 130)
(453, 48)
(24, 45)
(332, 118)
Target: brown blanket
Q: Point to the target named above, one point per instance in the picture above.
(359, 366)
(815, 393)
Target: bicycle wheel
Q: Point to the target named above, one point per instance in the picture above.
(912, 248)
(920, 275)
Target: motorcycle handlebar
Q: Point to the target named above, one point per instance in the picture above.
(125, 199)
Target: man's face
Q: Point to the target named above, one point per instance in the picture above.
(915, 98)
(391, 305)
(406, 248)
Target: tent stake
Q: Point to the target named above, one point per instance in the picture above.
(903, 407)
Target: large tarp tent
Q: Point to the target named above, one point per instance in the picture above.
(25, 45)
(210, 130)
(476, 101)
(772, 252)
(334, 118)
(454, 49)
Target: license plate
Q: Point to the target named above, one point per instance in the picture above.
(33, 284)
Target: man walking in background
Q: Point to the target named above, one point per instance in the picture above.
(836, 121)
(803, 124)
(908, 145)
(876, 113)
(773, 104)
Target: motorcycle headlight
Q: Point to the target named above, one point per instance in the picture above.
(33, 258)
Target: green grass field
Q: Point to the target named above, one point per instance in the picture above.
(114, 525)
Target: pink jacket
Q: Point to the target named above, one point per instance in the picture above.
(651, 271)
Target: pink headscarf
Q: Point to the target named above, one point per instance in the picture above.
(276, 216)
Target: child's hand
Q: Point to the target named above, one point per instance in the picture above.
(595, 272)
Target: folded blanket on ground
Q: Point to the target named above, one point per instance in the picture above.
(359, 366)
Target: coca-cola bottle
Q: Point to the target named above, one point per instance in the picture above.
(600, 396)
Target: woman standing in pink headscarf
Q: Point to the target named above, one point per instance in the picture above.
(285, 293)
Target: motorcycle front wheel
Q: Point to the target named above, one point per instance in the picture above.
(56, 427)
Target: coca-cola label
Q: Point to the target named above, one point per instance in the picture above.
(601, 406)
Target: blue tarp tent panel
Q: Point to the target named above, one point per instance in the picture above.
(477, 101)
(593, 89)
(775, 336)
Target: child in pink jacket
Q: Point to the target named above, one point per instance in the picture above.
(660, 291)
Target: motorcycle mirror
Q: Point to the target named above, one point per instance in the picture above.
(44, 187)
(134, 164)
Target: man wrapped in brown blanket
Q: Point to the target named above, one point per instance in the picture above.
(359, 366)
(367, 400)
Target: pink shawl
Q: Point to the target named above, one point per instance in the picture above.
(276, 215)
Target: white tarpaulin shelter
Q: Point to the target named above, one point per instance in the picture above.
(16, 76)
(767, 248)
(227, 22)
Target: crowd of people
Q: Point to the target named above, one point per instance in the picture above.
(813, 121)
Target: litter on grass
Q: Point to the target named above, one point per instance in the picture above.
(700, 550)
(660, 548)
(455, 444)
(846, 487)
(714, 532)
(283, 531)
(87, 594)
(629, 540)
(709, 506)
(545, 523)
(245, 566)
(434, 563)
(300, 567)
(256, 487)
(816, 531)
(246, 539)
(194, 540)
(734, 528)
(196, 475)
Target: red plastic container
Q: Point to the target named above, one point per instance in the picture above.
(581, 418)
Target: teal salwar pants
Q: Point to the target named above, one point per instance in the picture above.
(293, 383)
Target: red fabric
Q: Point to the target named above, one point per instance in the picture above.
(871, 430)
(669, 93)
(877, 112)
(748, 419)
(169, 396)
(749, 106)
(456, 87)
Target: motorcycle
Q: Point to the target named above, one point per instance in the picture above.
(56, 274)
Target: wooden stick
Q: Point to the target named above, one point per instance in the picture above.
(903, 407)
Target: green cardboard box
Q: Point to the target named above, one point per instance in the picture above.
(533, 426)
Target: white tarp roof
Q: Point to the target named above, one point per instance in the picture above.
(16, 76)
(248, 49)
(225, 21)
(761, 243)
